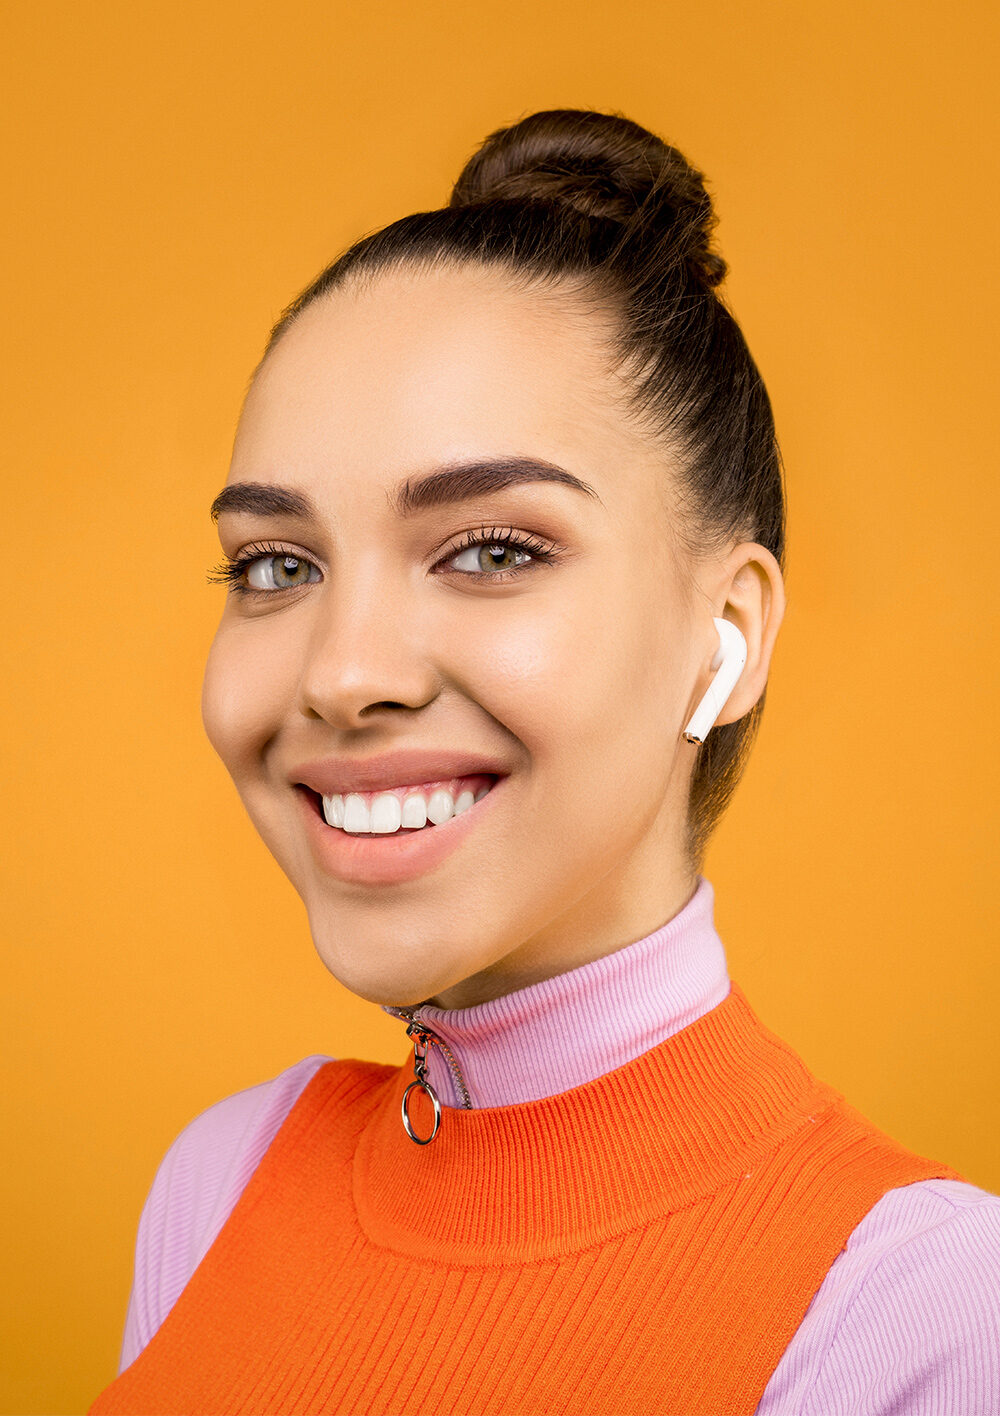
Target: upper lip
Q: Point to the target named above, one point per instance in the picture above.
(335, 775)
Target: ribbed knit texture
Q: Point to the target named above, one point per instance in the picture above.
(910, 1325)
(646, 1242)
(577, 1025)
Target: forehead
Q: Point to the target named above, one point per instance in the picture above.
(417, 368)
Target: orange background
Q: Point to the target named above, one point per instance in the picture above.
(178, 173)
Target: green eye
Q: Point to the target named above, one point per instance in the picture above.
(500, 555)
(496, 555)
(280, 572)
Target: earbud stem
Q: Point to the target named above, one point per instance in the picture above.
(728, 662)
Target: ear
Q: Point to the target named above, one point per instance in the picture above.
(749, 589)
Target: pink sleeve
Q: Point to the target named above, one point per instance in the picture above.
(907, 1320)
(199, 1180)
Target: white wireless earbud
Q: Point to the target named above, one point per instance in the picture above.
(728, 661)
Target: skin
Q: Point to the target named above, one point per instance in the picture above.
(580, 674)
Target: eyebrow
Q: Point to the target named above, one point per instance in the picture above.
(460, 482)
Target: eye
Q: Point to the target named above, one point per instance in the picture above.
(264, 569)
(495, 554)
(279, 572)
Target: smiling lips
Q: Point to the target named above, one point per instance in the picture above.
(368, 819)
(408, 808)
(369, 857)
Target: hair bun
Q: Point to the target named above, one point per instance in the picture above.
(604, 166)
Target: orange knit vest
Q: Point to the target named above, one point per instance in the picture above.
(646, 1243)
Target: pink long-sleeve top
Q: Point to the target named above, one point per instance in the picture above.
(907, 1320)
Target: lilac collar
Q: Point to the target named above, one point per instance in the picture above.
(567, 1030)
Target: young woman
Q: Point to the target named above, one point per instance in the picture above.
(504, 537)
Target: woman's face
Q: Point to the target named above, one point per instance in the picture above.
(552, 637)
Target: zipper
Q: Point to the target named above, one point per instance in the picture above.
(422, 1038)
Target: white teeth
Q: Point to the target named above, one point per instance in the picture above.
(389, 811)
(440, 806)
(357, 817)
(414, 812)
(386, 814)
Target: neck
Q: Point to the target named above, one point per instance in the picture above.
(568, 1030)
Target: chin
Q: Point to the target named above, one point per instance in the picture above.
(390, 982)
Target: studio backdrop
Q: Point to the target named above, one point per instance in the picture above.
(174, 174)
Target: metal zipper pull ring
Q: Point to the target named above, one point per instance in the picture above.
(420, 1074)
(422, 1038)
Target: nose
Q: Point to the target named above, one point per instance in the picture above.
(366, 651)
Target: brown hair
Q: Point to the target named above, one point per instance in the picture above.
(595, 197)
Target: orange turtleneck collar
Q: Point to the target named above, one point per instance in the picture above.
(648, 1241)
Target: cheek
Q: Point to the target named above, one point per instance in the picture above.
(245, 693)
(591, 671)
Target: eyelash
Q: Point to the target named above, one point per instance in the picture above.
(231, 570)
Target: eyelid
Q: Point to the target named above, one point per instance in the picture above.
(256, 550)
(493, 534)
